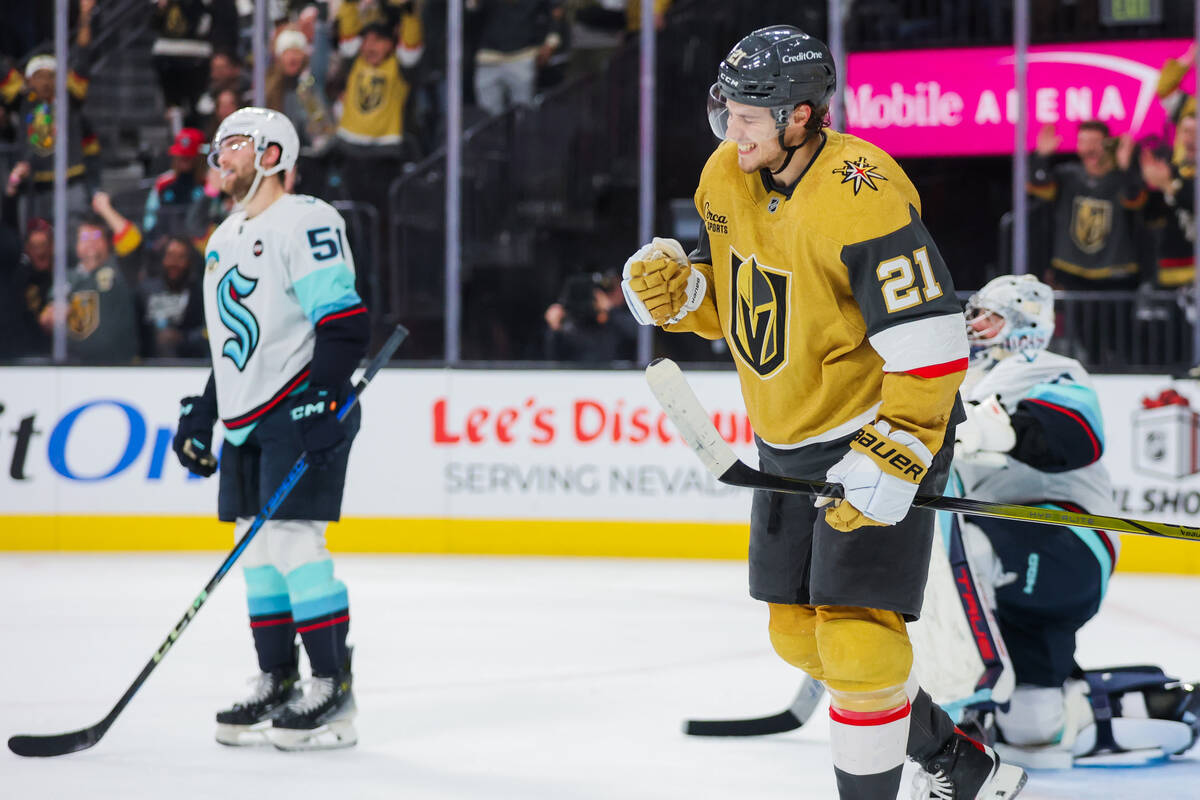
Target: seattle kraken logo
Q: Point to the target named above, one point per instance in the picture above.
(236, 317)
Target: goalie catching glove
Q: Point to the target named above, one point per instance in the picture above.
(879, 478)
(660, 285)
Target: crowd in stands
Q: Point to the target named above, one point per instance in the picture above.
(363, 81)
(353, 76)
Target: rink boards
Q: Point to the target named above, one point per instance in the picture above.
(505, 462)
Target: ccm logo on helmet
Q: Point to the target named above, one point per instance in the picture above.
(905, 465)
(807, 55)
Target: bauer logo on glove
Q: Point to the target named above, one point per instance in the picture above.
(879, 477)
(660, 285)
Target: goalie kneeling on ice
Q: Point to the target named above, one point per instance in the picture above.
(1118, 713)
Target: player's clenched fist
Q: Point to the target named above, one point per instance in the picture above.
(660, 285)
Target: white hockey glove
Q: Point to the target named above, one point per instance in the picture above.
(660, 285)
(879, 475)
(986, 434)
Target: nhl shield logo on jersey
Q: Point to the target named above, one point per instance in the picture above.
(1091, 223)
(860, 173)
(759, 322)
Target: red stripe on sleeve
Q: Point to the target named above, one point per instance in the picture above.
(339, 314)
(938, 370)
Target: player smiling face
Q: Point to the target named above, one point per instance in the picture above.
(235, 162)
(754, 131)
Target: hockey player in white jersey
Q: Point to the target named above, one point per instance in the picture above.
(1034, 436)
(286, 329)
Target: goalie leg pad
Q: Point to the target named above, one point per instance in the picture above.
(863, 649)
(793, 635)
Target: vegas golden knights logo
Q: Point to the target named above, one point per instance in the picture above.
(1091, 223)
(370, 92)
(736, 57)
(759, 323)
(83, 314)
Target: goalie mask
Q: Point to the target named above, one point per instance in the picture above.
(777, 68)
(1011, 314)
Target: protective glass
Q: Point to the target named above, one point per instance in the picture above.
(742, 124)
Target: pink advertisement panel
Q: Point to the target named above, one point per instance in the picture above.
(962, 102)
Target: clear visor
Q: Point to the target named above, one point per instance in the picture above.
(231, 143)
(739, 122)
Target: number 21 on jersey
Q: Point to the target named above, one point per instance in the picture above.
(899, 281)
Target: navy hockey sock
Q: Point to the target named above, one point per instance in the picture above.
(274, 640)
(324, 640)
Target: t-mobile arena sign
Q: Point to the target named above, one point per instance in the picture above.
(962, 102)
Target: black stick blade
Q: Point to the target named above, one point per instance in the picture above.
(58, 744)
(782, 722)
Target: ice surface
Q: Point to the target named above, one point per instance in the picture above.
(514, 678)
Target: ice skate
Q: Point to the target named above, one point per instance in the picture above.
(247, 721)
(323, 719)
(967, 770)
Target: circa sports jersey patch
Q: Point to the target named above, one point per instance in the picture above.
(859, 172)
(759, 321)
(258, 248)
(239, 320)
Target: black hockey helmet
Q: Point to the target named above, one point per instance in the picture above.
(777, 67)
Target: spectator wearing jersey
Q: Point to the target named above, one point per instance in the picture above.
(178, 190)
(1170, 174)
(172, 304)
(101, 317)
(34, 284)
(33, 174)
(515, 39)
(181, 51)
(370, 134)
(1094, 200)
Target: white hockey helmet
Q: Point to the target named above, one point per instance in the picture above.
(1011, 314)
(264, 128)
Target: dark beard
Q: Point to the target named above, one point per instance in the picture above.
(241, 185)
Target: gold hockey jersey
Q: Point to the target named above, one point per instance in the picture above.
(833, 298)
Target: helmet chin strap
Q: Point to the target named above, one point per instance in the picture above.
(791, 151)
(245, 201)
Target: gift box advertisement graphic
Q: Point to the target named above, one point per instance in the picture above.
(1166, 436)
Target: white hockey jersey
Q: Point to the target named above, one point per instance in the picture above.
(1051, 380)
(268, 281)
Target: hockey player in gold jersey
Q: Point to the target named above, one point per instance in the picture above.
(815, 267)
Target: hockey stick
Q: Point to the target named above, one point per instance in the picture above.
(696, 427)
(806, 702)
(62, 743)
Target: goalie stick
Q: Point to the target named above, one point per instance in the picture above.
(62, 743)
(794, 716)
(695, 426)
